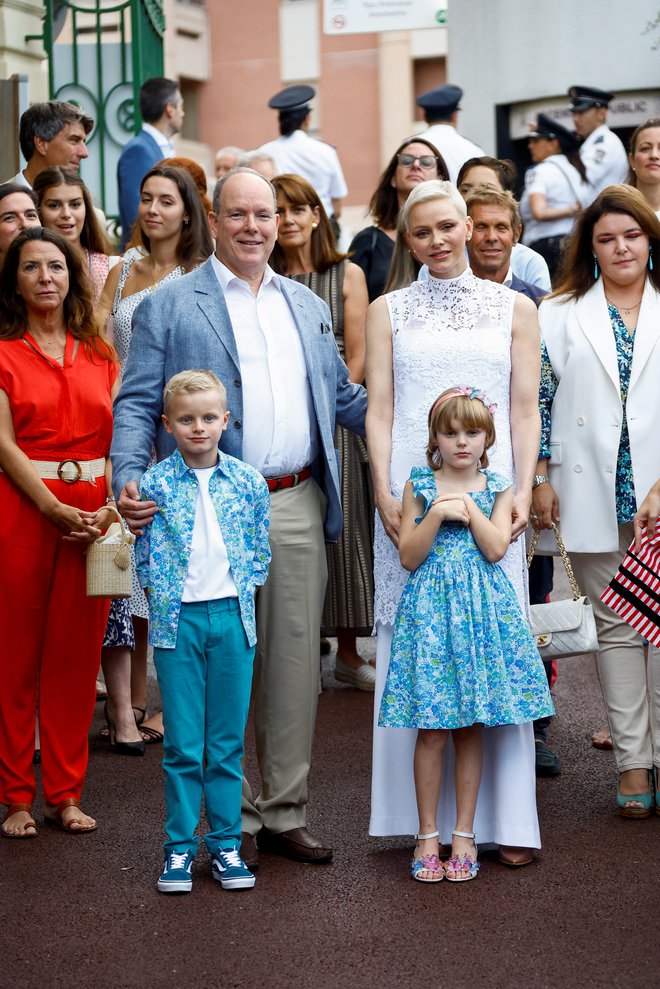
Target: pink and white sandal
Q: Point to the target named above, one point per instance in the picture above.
(463, 863)
(427, 863)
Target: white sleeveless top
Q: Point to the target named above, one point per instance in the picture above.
(445, 332)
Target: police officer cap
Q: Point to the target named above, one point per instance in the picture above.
(586, 97)
(441, 101)
(547, 127)
(292, 98)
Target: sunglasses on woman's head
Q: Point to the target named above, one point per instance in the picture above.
(425, 161)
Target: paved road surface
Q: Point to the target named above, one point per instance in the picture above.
(84, 911)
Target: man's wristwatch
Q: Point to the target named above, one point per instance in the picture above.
(539, 479)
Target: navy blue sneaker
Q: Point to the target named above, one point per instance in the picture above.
(176, 876)
(230, 870)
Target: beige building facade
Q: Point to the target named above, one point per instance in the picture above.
(366, 83)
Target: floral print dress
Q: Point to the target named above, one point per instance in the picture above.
(462, 652)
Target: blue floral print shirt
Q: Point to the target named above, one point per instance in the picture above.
(242, 503)
(626, 504)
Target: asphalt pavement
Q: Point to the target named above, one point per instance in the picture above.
(83, 911)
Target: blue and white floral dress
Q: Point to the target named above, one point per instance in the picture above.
(462, 652)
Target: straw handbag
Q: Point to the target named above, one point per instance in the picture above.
(563, 628)
(109, 563)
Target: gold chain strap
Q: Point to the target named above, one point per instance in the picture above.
(566, 560)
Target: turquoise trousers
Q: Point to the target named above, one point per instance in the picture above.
(205, 684)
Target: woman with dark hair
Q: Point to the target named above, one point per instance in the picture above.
(306, 251)
(173, 235)
(58, 378)
(599, 445)
(18, 211)
(644, 161)
(414, 161)
(65, 206)
(556, 189)
(480, 171)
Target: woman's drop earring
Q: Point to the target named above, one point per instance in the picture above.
(595, 268)
(650, 259)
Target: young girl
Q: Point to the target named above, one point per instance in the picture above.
(462, 652)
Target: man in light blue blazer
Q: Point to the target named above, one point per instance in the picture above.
(270, 341)
(161, 108)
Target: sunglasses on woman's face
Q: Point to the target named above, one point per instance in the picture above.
(425, 161)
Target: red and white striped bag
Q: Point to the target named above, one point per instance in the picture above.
(634, 591)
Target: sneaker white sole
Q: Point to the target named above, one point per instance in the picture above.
(246, 883)
(182, 886)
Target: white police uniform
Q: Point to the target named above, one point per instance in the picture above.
(562, 185)
(454, 148)
(604, 158)
(314, 160)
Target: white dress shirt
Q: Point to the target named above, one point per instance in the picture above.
(164, 143)
(279, 422)
(530, 267)
(20, 180)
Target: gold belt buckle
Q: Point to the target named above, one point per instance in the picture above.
(60, 471)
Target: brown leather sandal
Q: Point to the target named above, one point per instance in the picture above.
(57, 821)
(31, 823)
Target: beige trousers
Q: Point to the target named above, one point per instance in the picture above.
(630, 691)
(286, 667)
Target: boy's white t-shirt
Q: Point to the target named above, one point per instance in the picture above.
(209, 574)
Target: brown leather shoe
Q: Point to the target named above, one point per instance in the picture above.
(298, 844)
(249, 852)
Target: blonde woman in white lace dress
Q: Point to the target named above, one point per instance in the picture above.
(453, 329)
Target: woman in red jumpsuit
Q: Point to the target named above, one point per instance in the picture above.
(58, 377)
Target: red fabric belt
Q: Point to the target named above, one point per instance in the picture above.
(288, 480)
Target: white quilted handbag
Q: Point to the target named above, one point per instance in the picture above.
(563, 628)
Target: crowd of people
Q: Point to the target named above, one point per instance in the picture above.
(308, 442)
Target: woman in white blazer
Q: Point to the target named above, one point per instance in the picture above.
(600, 451)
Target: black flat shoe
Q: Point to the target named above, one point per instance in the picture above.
(547, 763)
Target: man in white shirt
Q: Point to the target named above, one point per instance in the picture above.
(441, 106)
(270, 341)
(298, 153)
(52, 133)
(161, 108)
(602, 153)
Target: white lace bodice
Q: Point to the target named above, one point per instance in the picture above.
(444, 332)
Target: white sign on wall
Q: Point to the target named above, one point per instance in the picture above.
(627, 110)
(373, 16)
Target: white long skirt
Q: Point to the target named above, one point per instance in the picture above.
(506, 807)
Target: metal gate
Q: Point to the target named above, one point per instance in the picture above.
(99, 54)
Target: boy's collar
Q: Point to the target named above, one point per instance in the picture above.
(181, 467)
